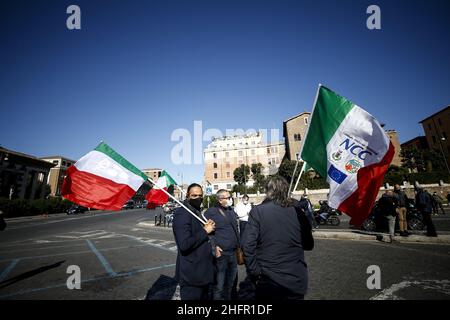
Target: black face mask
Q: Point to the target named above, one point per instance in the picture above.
(196, 203)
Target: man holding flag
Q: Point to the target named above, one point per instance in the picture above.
(348, 146)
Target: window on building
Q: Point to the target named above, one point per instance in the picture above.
(253, 143)
(227, 165)
(240, 153)
(215, 155)
(227, 154)
(253, 152)
(55, 162)
(228, 174)
(306, 120)
(215, 165)
(274, 150)
(297, 156)
(215, 175)
(268, 150)
(229, 186)
(297, 137)
(216, 187)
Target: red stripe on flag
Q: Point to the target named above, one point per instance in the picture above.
(370, 179)
(92, 191)
(157, 197)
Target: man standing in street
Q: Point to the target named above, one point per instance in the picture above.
(242, 210)
(195, 267)
(388, 205)
(402, 200)
(437, 203)
(225, 241)
(424, 205)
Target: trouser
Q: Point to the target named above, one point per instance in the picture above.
(226, 271)
(267, 289)
(391, 223)
(194, 293)
(403, 225)
(431, 230)
(440, 206)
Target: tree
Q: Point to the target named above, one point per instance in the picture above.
(258, 176)
(241, 174)
(422, 160)
(287, 168)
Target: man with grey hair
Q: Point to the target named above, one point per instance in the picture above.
(225, 241)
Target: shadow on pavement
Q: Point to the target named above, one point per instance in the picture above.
(29, 274)
(163, 289)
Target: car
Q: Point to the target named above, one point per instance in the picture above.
(128, 205)
(76, 209)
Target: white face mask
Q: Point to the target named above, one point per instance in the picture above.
(229, 202)
(245, 202)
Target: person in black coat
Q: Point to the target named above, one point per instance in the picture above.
(194, 268)
(274, 241)
(424, 203)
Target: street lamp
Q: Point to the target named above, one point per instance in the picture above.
(443, 154)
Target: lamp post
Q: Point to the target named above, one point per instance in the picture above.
(443, 154)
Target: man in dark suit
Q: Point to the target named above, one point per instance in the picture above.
(194, 268)
(225, 241)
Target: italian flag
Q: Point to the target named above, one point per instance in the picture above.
(156, 196)
(348, 146)
(102, 179)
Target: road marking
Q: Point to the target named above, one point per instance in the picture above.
(102, 259)
(442, 286)
(148, 242)
(118, 275)
(8, 269)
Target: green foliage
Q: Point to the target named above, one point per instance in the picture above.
(422, 160)
(25, 207)
(422, 177)
(258, 177)
(212, 201)
(241, 174)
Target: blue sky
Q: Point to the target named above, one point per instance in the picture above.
(138, 70)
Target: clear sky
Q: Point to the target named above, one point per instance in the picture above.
(138, 70)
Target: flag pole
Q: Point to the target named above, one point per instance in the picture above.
(300, 175)
(176, 200)
(292, 178)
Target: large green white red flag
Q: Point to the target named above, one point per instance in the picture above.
(347, 145)
(156, 196)
(102, 179)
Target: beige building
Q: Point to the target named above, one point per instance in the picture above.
(57, 173)
(437, 132)
(393, 137)
(152, 173)
(294, 131)
(224, 154)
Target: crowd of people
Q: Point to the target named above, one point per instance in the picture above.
(272, 237)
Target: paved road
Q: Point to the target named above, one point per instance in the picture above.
(121, 260)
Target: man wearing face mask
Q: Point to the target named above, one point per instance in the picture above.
(225, 241)
(195, 262)
(242, 210)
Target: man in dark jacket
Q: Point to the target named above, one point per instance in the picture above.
(225, 241)
(424, 203)
(388, 205)
(194, 268)
(273, 245)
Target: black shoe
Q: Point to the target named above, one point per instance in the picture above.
(404, 234)
(432, 235)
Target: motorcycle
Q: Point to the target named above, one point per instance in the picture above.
(376, 221)
(327, 215)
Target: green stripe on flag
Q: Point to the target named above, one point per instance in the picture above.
(170, 180)
(329, 112)
(104, 148)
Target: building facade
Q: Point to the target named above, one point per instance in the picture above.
(152, 173)
(22, 176)
(393, 137)
(294, 131)
(420, 143)
(57, 173)
(224, 154)
(437, 132)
